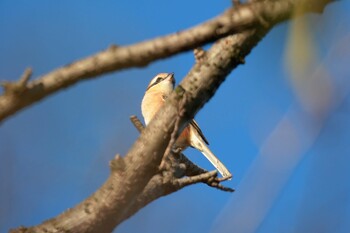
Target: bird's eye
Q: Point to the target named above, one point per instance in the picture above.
(153, 83)
(159, 79)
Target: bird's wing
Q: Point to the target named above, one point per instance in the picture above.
(199, 131)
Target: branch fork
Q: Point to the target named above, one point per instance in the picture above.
(17, 87)
(135, 181)
(180, 172)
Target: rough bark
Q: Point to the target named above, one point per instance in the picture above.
(136, 179)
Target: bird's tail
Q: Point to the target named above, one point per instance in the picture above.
(198, 141)
(216, 162)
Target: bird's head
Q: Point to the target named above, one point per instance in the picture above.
(162, 82)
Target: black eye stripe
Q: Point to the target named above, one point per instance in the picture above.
(158, 80)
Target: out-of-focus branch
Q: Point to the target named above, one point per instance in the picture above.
(16, 88)
(240, 18)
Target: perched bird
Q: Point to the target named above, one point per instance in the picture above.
(157, 91)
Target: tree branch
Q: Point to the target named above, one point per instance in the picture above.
(109, 205)
(161, 184)
(17, 88)
(133, 179)
(240, 18)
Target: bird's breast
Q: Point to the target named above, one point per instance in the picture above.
(151, 103)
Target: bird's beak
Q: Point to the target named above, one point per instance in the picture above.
(171, 78)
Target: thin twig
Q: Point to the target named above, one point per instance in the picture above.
(137, 123)
(199, 54)
(173, 136)
(204, 177)
(17, 87)
(193, 172)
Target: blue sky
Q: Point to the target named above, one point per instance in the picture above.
(284, 138)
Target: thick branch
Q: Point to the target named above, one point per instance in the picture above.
(115, 58)
(112, 203)
(106, 208)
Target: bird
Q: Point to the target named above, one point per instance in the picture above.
(158, 90)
